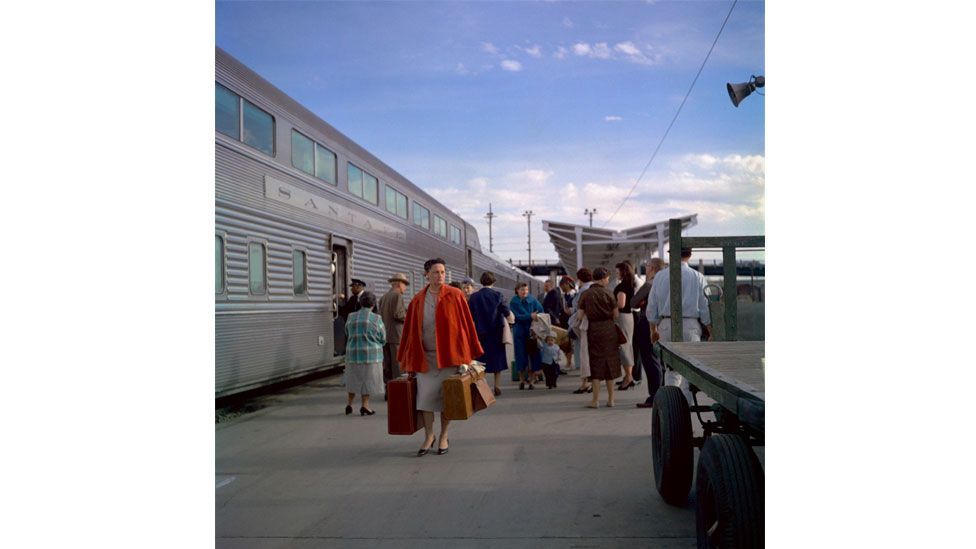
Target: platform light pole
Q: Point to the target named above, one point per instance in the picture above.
(590, 213)
(489, 217)
(528, 214)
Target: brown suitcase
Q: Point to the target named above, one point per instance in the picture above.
(458, 402)
(401, 404)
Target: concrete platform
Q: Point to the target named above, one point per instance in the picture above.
(537, 469)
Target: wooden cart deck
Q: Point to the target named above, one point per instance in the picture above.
(730, 372)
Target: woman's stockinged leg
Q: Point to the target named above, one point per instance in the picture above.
(445, 423)
(428, 428)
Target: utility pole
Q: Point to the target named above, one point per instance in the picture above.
(529, 215)
(489, 217)
(590, 213)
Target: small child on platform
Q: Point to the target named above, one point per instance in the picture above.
(550, 361)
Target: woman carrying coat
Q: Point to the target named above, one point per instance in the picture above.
(525, 308)
(438, 336)
(489, 311)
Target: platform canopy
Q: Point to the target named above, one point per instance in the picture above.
(581, 245)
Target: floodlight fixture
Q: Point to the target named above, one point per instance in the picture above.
(738, 92)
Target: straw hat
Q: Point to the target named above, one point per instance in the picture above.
(399, 277)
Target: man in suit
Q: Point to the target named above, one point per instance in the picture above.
(349, 305)
(394, 312)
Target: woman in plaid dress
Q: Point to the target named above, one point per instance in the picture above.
(365, 337)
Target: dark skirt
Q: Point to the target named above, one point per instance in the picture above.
(601, 337)
(494, 359)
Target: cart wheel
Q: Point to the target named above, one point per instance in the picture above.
(730, 496)
(671, 446)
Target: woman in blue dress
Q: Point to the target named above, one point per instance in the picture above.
(525, 308)
(489, 311)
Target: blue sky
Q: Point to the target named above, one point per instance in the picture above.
(550, 106)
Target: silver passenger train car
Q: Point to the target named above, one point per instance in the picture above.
(300, 210)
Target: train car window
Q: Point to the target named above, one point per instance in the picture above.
(302, 153)
(228, 113)
(370, 189)
(219, 265)
(440, 226)
(421, 216)
(256, 261)
(355, 179)
(258, 129)
(455, 235)
(325, 164)
(402, 205)
(298, 272)
(396, 202)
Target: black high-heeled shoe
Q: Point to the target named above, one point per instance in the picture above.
(442, 451)
(348, 410)
(425, 451)
(624, 387)
(364, 412)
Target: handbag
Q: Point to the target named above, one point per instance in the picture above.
(621, 337)
(481, 394)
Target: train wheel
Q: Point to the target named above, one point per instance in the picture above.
(673, 453)
(730, 495)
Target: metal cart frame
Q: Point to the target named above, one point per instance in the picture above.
(730, 485)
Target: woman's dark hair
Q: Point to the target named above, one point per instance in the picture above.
(520, 284)
(584, 275)
(627, 272)
(456, 284)
(600, 273)
(367, 300)
(431, 262)
(487, 279)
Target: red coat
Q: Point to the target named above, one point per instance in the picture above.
(457, 341)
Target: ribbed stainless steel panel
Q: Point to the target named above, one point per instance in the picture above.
(262, 347)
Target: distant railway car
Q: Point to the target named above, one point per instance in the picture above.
(300, 209)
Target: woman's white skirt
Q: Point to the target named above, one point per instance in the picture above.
(430, 396)
(364, 379)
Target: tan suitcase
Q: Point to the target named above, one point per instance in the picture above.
(458, 403)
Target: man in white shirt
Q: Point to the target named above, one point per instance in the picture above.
(696, 318)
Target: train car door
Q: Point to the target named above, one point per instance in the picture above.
(340, 272)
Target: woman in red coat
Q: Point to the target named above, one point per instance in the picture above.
(438, 336)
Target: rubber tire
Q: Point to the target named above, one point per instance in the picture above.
(730, 490)
(671, 445)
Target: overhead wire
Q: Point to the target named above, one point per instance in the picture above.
(665, 136)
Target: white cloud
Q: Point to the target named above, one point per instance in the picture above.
(534, 51)
(460, 69)
(568, 23)
(598, 51)
(627, 48)
(489, 47)
(560, 53)
(612, 118)
(511, 65)
(632, 53)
